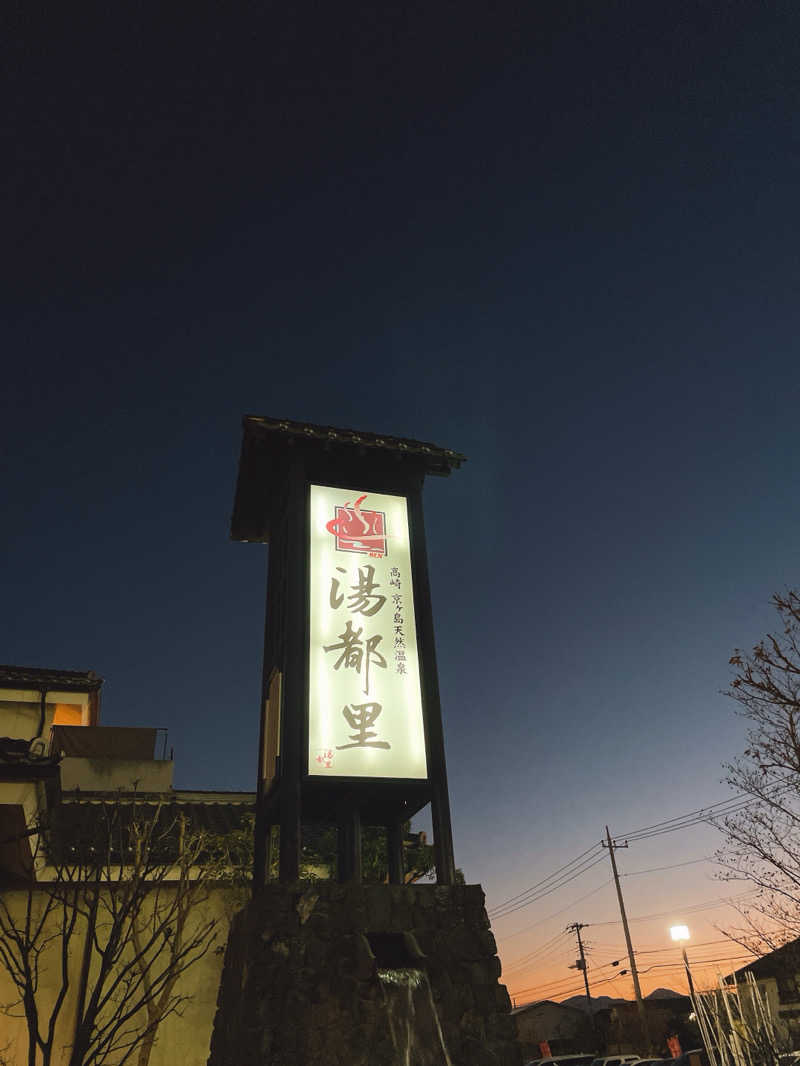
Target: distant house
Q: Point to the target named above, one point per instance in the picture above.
(566, 1030)
(778, 976)
(666, 1016)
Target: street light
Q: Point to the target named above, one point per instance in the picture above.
(680, 934)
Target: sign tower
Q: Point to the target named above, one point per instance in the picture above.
(351, 728)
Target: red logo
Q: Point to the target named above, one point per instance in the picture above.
(357, 530)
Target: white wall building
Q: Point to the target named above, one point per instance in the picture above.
(53, 754)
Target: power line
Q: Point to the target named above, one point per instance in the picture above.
(703, 812)
(695, 909)
(566, 866)
(579, 865)
(554, 985)
(708, 820)
(503, 910)
(678, 966)
(555, 914)
(698, 962)
(546, 949)
(555, 944)
(550, 987)
(586, 860)
(544, 886)
(703, 944)
(566, 992)
(536, 961)
(615, 949)
(674, 866)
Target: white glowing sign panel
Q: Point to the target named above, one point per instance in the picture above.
(365, 704)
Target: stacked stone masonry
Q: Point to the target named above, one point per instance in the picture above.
(300, 985)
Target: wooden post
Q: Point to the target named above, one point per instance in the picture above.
(349, 841)
(261, 845)
(261, 849)
(394, 852)
(295, 682)
(437, 770)
(272, 661)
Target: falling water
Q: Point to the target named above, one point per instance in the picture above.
(435, 1014)
(413, 1018)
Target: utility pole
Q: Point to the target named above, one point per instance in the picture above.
(609, 843)
(580, 964)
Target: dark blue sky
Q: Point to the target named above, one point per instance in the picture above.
(560, 238)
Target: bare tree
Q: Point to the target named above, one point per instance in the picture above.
(110, 904)
(738, 1025)
(763, 835)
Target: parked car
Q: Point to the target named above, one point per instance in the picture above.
(563, 1060)
(614, 1060)
(567, 1060)
(696, 1057)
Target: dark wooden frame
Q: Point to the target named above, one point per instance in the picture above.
(294, 793)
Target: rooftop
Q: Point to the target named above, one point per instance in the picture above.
(786, 958)
(441, 460)
(82, 822)
(40, 678)
(267, 442)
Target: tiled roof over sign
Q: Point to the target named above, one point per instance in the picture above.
(38, 677)
(442, 460)
(268, 444)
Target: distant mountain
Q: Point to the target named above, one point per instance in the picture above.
(598, 1002)
(604, 1002)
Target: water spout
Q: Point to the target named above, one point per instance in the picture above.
(414, 1023)
(406, 978)
(436, 1018)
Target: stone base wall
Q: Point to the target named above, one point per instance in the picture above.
(300, 985)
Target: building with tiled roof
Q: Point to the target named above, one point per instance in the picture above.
(53, 751)
(71, 791)
(777, 975)
(43, 679)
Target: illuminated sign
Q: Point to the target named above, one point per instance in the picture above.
(365, 704)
